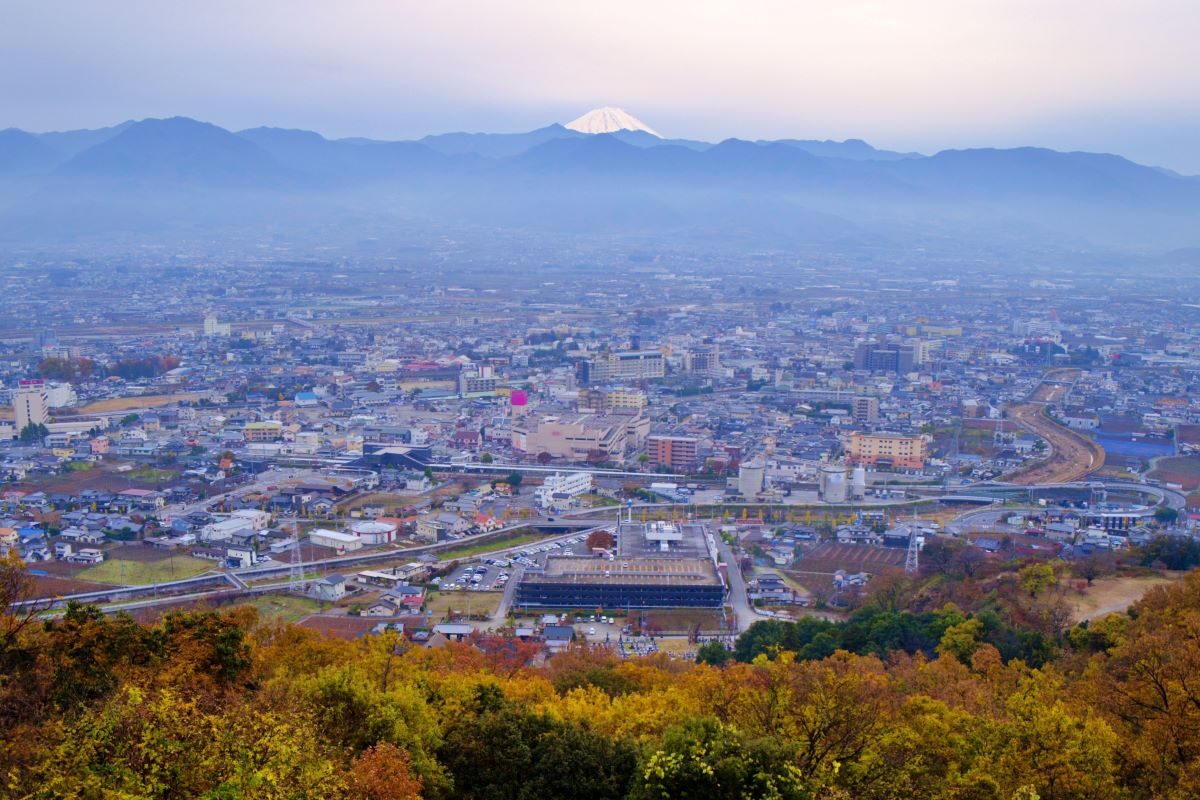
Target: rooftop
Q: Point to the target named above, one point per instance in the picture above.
(671, 571)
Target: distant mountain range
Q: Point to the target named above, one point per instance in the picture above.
(163, 176)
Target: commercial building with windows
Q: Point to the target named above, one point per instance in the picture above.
(575, 437)
(609, 399)
(634, 365)
(876, 357)
(887, 450)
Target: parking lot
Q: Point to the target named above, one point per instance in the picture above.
(494, 572)
(478, 577)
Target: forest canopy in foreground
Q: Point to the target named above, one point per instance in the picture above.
(219, 705)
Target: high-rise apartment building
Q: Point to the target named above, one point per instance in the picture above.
(876, 357)
(30, 404)
(680, 453)
(634, 365)
(865, 409)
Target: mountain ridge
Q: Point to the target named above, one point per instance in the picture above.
(183, 173)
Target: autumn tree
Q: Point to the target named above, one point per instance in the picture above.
(600, 539)
(1036, 578)
(384, 772)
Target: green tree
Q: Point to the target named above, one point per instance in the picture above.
(1036, 578)
(713, 653)
(33, 433)
(961, 640)
(1165, 515)
(704, 758)
(486, 458)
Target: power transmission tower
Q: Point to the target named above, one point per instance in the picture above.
(296, 572)
(912, 560)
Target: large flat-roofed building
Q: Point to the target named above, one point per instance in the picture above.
(887, 449)
(336, 540)
(266, 431)
(656, 565)
(680, 453)
(576, 437)
(703, 359)
(582, 582)
(633, 365)
(563, 488)
(890, 357)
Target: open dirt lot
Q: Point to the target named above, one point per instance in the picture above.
(683, 619)
(829, 558)
(48, 586)
(1114, 595)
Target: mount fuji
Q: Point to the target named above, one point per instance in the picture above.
(606, 172)
(609, 120)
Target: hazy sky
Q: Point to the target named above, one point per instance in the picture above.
(1111, 75)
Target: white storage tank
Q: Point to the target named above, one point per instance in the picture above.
(832, 484)
(858, 483)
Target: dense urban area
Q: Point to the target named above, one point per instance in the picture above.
(596, 522)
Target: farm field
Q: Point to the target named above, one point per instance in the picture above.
(829, 558)
(814, 571)
(1183, 470)
(680, 619)
(283, 607)
(128, 572)
(441, 604)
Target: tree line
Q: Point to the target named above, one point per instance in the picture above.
(220, 704)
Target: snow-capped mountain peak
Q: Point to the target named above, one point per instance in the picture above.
(609, 120)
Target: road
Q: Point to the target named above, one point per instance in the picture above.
(240, 585)
(743, 611)
(1072, 456)
(506, 599)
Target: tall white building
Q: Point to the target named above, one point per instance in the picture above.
(563, 487)
(30, 404)
(60, 395)
(214, 328)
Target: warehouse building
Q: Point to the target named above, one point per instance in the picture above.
(655, 565)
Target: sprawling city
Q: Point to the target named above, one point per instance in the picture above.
(813, 470)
